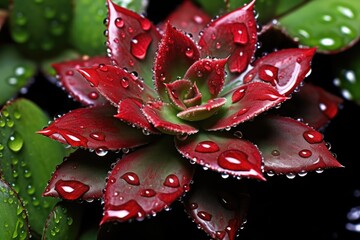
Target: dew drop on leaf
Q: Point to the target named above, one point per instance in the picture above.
(204, 215)
(238, 94)
(207, 147)
(147, 193)
(131, 178)
(172, 181)
(71, 189)
(312, 136)
(305, 153)
(139, 45)
(232, 160)
(124, 82)
(269, 73)
(240, 33)
(119, 22)
(97, 136)
(15, 142)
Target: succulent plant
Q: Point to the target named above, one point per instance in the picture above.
(172, 100)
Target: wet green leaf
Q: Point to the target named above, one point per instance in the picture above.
(330, 25)
(63, 222)
(90, 40)
(13, 218)
(16, 72)
(27, 159)
(40, 26)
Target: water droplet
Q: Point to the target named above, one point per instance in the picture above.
(71, 189)
(194, 206)
(319, 170)
(345, 11)
(15, 142)
(172, 181)
(204, 215)
(207, 147)
(145, 24)
(101, 151)
(240, 33)
(124, 82)
(269, 73)
(312, 136)
(220, 234)
(189, 52)
(131, 178)
(147, 193)
(233, 160)
(238, 134)
(275, 152)
(238, 94)
(97, 136)
(218, 45)
(290, 175)
(302, 173)
(328, 108)
(119, 22)
(328, 42)
(139, 45)
(305, 153)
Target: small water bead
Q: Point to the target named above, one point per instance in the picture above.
(145, 23)
(97, 136)
(204, 215)
(232, 160)
(172, 181)
(15, 142)
(269, 73)
(139, 45)
(270, 173)
(319, 170)
(189, 52)
(346, 11)
(124, 82)
(305, 153)
(148, 193)
(275, 152)
(71, 189)
(302, 173)
(290, 175)
(220, 234)
(119, 22)
(240, 33)
(238, 94)
(312, 136)
(131, 178)
(101, 151)
(207, 147)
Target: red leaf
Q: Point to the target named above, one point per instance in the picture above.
(162, 116)
(145, 182)
(284, 69)
(220, 210)
(209, 75)
(75, 84)
(87, 168)
(201, 112)
(234, 35)
(177, 91)
(313, 104)
(116, 84)
(129, 110)
(175, 55)
(132, 40)
(289, 146)
(223, 153)
(243, 104)
(95, 128)
(189, 18)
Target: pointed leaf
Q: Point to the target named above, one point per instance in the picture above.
(313, 104)
(201, 112)
(145, 182)
(129, 110)
(243, 104)
(232, 35)
(63, 222)
(177, 92)
(80, 176)
(16, 72)
(209, 75)
(163, 117)
(132, 41)
(75, 84)
(116, 83)
(331, 25)
(284, 69)
(27, 159)
(289, 146)
(94, 128)
(13, 218)
(189, 18)
(220, 210)
(224, 153)
(175, 55)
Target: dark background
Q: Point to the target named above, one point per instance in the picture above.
(312, 207)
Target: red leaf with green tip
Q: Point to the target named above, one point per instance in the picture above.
(224, 153)
(243, 104)
(284, 69)
(233, 35)
(175, 55)
(80, 176)
(129, 110)
(163, 117)
(209, 75)
(289, 146)
(217, 208)
(203, 111)
(189, 18)
(313, 104)
(95, 128)
(75, 84)
(145, 182)
(132, 40)
(116, 83)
